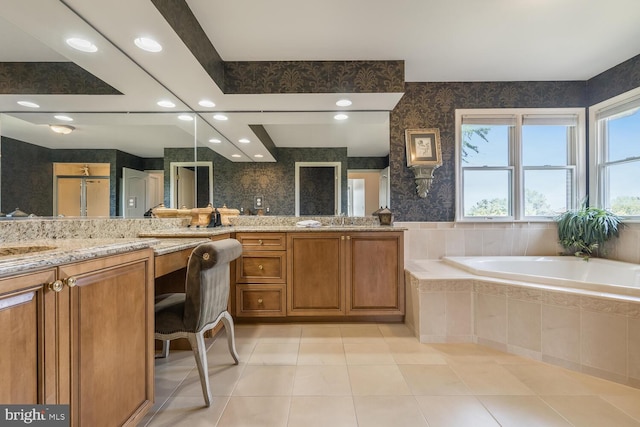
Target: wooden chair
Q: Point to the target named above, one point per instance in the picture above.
(202, 305)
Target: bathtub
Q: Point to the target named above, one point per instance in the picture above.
(597, 275)
(581, 315)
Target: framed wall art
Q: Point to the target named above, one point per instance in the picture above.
(423, 147)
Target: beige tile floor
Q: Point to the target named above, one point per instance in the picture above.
(331, 375)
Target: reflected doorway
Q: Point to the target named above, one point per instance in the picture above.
(82, 189)
(190, 184)
(365, 195)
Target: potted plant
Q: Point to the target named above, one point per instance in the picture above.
(584, 231)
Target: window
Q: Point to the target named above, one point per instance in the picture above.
(616, 159)
(518, 164)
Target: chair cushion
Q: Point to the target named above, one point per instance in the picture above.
(169, 313)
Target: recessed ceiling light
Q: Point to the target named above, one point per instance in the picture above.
(259, 156)
(150, 45)
(206, 103)
(166, 104)
(344, 103)
(186, 117)
(63, 129)
(82, 45)
(236, 155)
(244, 140)
(220, 117)
(341, 116)
(28, 104)
(215, 141)
(63, 118)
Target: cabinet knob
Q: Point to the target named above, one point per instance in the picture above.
(348, 237)
(260, 266)
(341, 237)
(259, 241)
(56, 286)
(71, 281)
(259, 300)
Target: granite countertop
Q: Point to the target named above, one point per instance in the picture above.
(169, 245)
(63, 251)
(55, 252)
(207, 232)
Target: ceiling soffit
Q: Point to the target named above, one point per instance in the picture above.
(259, 77)
(59, 78)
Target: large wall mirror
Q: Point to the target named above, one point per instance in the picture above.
(132, 147)
(140, 148)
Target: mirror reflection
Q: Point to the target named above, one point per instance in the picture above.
(129, 158)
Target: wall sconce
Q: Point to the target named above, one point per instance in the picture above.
(424, 156)
(63, 129)
(423, 178)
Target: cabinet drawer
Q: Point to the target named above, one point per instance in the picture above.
(260, 300)
(262, 241)
(261, 267)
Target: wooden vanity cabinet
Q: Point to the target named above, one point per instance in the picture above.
(28, 337)
(106, 323)
(375, 273)
(316, 280)
(83, 336)
(354, 274)
(261, 274)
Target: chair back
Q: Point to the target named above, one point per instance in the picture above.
(207, 286)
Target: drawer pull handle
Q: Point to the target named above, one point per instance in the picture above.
(260, 266)
(260, 241)
(71, 281)
(260, 301)
(56, 286)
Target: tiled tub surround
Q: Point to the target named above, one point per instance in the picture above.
(591, 332)
(433, 240)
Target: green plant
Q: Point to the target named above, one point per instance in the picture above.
(584, 231)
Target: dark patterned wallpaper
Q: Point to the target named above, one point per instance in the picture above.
(236, 184)
(433, 105)
(50, 78)
(313, 76)
(26, 178)
(368, 162)
(617, 80)
(317, 191)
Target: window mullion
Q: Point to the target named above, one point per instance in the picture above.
(515, 159)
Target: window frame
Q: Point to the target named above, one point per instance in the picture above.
(576, 153)
(598, 162)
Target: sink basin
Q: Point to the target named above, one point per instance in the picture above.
(21, 250)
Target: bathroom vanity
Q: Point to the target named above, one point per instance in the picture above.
(333, 273)
(76, 308)
(77, 328)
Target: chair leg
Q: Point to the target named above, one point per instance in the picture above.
(165, 349)
(227, 320)
(200, 353)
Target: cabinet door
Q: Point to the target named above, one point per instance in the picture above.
(315, 279)
(111, 338)
(27, 377)
(375, 273)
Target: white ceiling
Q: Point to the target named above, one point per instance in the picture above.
(439, 40)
